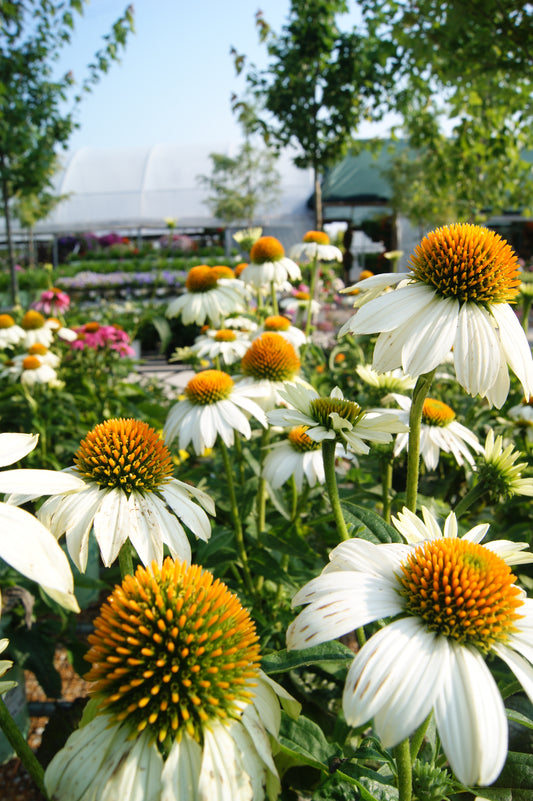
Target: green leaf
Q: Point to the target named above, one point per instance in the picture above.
(368, 525)
(330, 652)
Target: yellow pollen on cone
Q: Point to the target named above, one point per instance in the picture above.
(266, 249)
(270, 357)
(469, 263)
(209, 386)
(320, 237)
(461, 590)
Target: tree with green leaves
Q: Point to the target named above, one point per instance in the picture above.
(320, 83)
(33, 120)
(243, 184)
(464, 79)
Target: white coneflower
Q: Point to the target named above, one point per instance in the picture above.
(214, 406)
(269, 265)
(129, 494)
(456, 296)
(429, 654)
(315, 245)
(184, 711)
(211, 295)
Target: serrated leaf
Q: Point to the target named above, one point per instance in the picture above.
(329, 652)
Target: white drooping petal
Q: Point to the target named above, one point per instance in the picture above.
(111, 524)
(221, 775)
(14, 447)
(477, 350)
(388, 311)
(515, 345)
(181, 771)
(395, 678)
(30, 548)
(522, 668)
(79, 771)
(48, 482)
(341, 606)
(470, 718)
(427, 343)
(138, 776)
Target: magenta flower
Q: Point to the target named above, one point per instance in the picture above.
(52, 301)
(101, 337)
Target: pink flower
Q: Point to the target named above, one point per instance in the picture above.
(100, 337)
(52, 301)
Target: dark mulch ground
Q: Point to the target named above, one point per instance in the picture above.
(15, 784)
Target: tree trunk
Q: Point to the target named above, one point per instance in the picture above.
(9, 239)
(318, 201)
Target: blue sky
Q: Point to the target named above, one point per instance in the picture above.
(176, 75)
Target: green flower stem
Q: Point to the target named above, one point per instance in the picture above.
(125, 560)
(273, 298)
(21, 748)
(262, 488)
(418, 738)
(415, 419)
(402, 755)
(386, 485)
(237, 525)
(312, 286)
(472, 496)
(328, 457)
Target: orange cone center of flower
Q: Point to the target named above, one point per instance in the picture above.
(37, 349)
(365, 274)
(469, 263)
(240, 267)
(461, 589)
(6, 321)
(32, 320)
(172, 649)
(31, 363)
(267, 248)
(320, 237)
(225, 335)
(277, 323)
(437, 413)
(209, 386)
(92, 327)
(301, 295)
(270, 357)
(321, 408)
(124, 454)
(201, 279)
(221, 271)
(301, 442)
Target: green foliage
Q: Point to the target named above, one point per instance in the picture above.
(33, 120)
(320, 83)
(464, 86)
(242, 185)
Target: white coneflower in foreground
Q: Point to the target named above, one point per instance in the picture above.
(315, 245)
(183, 712)
(269, 265)
(129, 493)
(336, 418)
(211, 295)
(214, 405)
(25, 543)
(35, 329)
(429, 654)
(456, 296)
(439, 431)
